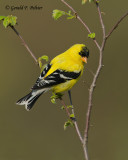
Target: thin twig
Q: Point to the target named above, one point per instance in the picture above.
(96, 75)
(92, 87)
(24, 43)
(90, 71)
(77, 129)
(116, 25)
(66, 109)
(84, 24)
(75, 122)
(91, 90)
(103, 27)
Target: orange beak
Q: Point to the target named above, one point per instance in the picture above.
(84, 59)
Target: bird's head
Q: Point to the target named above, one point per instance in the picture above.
(80, 51)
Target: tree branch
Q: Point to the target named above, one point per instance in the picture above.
(93, 85)
(74, 121)
(24, 43)
(77, 129)
(91, 90)
(100, 65)
(84, 139)
(116, 25)
(67, 111)
(102, 26)
(84, 24)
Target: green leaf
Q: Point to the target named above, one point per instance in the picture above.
(68, 123)
(84, 1)
(2, 17)
(55, 96)
(57, 14)
(9, 20)
(91, 1)
(92, 35)
(13, 20)
(5, 22)
(62, 107)
(71, 17)
(44, 57)
(97, 2)
(53, 100)
(40, 63)
(42, 68)
(72, 116)
(69, 12)
(70, 106)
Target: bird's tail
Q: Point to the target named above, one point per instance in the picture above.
(30, 99)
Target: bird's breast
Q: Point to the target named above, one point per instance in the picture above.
(64, 86)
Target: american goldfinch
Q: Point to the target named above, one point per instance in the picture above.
(59, 75)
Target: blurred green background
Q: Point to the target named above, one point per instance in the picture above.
(39, 134)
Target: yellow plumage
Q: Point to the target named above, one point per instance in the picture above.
(69, 61)
(60, 75)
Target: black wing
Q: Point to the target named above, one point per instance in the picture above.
(44, 72)
(57, 77)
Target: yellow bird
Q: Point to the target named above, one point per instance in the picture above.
(59, 75)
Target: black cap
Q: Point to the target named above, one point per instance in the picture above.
(84, 52)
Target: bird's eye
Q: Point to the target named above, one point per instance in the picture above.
(84, 52)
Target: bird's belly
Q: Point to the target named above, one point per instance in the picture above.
(64, 86)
